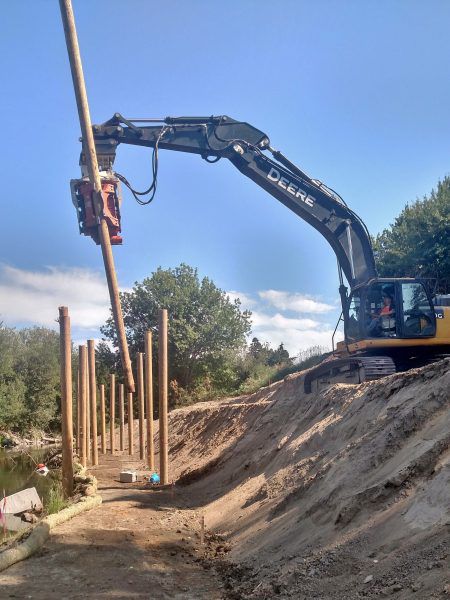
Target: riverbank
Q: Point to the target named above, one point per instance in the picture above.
(18, 471)
(139, 543)
(30, 439)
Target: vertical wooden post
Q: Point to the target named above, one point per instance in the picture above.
(202, 530)
(121, 416)
(130, 424)
(83, 415)
(163, 394)
(88, 410)
(66, 400)
(140, 384)
(148, 370)
(89, 152)
(103, 418)
(78, 414)
(93, 400)
(112, 412)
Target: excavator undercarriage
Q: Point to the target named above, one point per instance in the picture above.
(353, 369)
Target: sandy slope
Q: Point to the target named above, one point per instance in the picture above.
(318, 493)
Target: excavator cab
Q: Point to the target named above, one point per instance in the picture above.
(389, 325)
(390, 309)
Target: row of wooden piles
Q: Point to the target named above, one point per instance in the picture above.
(91, 399)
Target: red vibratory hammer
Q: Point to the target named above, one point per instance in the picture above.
(82, 198)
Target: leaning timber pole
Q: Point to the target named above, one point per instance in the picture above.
(66, 400)
(94, 177)
(163, 385)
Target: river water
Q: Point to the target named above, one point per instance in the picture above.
(17, 472)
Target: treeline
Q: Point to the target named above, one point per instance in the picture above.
(29, 378)
(209, 354)
(30, 385)
(261, 365)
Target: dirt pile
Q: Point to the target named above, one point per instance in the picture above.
(343, 494)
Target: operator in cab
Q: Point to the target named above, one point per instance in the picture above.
(384, 318)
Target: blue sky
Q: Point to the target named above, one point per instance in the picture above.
(355, 92)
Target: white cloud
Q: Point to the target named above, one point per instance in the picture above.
(295, 340)
(246, 300)
(264, 321)
(295, 334)
(82, 341)
(296, 302)
(33, 297)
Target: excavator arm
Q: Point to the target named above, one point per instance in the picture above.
(246, 147)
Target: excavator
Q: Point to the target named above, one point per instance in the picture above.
(390, 324)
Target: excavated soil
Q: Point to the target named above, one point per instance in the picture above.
(343, 494)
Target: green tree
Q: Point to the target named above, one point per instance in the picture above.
(264, 354)
(107, 361)
(29, 378)
(205, 326)
(417, 244)
(38, 366)
(279, 356)
(260, 364)
(12, 388)
(258, 351)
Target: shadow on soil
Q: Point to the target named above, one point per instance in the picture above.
(72, 571)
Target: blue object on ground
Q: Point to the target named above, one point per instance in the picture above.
(154, 478)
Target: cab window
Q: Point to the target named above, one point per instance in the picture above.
(418, 314)
(381, 311)
(353, 316)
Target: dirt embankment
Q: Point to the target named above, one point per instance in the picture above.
(344, 494)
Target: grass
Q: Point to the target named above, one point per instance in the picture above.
(55, 500)
(8, 536)
(264, 375)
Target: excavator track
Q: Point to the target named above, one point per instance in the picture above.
(355, 369)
